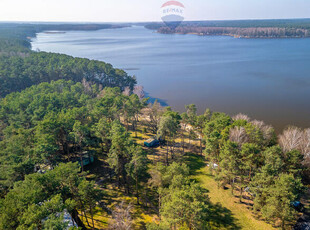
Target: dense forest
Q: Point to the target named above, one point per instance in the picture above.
(20, 67)
(46, 126)
(293, 28)
(15, 37)
(20, 72)
(73, 141)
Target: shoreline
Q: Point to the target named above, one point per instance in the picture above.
(231, 35)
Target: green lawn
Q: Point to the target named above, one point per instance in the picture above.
(227, 211)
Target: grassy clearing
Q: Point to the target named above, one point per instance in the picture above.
(101, 219)
(227, 211)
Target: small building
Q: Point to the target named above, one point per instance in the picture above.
(151, 143)
(86, 158)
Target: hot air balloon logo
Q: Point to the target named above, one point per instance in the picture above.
(172, 14)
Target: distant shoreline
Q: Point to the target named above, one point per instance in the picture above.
(234, 36)
(54, 32)
(240, 29)
(236, 32)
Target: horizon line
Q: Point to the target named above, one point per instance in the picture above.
(159, 21)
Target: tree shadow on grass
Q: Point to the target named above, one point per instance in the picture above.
(222, 217)
(194, 162)
(219, 216)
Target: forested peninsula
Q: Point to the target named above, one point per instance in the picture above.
(293, 28)
(81, 148)
(20, 67)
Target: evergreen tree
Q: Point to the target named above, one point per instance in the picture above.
(137, 168)
(120, 152)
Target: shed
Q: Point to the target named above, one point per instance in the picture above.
(152, 142)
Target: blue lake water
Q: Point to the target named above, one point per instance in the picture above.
(268, 79)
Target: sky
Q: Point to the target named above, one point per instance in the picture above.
(148, 10)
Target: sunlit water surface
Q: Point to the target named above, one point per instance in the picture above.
(268, 79)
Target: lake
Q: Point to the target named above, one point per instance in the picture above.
(268, 79)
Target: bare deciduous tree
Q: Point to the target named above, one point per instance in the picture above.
(86, 86)
(238, 135)
(291, 139)
(305, 145)
(126, 91)
(122, 219)
(241, 116)
(267, 130)
(100, 87)
(139, 90)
